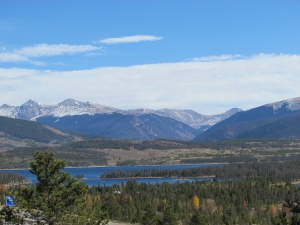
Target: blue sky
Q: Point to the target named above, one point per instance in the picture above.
(208, 56)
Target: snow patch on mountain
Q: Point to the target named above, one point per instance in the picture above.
(291, 104)
(8, 111)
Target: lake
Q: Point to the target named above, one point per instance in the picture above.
(92, 174)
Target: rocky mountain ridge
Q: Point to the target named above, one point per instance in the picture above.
(290, 104)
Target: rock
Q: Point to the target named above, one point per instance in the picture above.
(8, 214)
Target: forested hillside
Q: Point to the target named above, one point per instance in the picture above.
(32, 130)
(288, 126)
(119, 126)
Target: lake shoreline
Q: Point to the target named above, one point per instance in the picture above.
(178, 178)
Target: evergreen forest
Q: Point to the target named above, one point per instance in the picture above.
(260, 193)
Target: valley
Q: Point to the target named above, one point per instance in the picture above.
(158, 152)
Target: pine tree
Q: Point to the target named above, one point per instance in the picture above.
(149, 217)
(112, 207)
(170, 218)
(58, 196)
(199, 218)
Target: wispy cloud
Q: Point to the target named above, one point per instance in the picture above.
(217, 58)
(208, 88)
(52, 50)
(129, 39)
(42, 50)
(12, 57)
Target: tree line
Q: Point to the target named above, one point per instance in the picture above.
(286, 171)
(162, 144)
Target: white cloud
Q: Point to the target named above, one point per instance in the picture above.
(12, 57)
(52, 50)
(206, 87)
(129, 39)
(26, 53)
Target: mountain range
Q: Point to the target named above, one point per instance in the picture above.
(274, 120)
(111, 122)
(31, 110)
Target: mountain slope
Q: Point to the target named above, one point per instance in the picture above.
(34, 131)
(252, 119)
(119, 126)
(284, 127)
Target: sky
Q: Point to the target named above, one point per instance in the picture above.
(205, 55)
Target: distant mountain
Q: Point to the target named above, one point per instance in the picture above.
(31, 110)
(258, 122)
(119, 126)
(188, 117)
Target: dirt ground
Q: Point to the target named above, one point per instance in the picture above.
(115, 223)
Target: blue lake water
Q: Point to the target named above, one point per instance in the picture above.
(92, 174)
